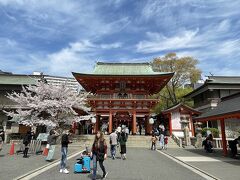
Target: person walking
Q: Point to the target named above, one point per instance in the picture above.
(122, 142)
(165, 142)
(154, 140)
(140, 129)
(1, 139)
(51, 140)
(64, 150)
(26, 141)
(99, 154)
(113, 143)
(161, 136)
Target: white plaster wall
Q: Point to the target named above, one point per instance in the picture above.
(180, 133)
(232, 128)
(175, 117)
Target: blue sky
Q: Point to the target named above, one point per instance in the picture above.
(60, 36)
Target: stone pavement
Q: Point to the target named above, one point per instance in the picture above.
(14, 166)
(141, 164)
(213, 163)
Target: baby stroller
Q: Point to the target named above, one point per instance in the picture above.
(83, 163)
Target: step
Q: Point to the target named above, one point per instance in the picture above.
(133, 141)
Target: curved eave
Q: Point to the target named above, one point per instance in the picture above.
(165, 77)
(121, 75)
(235, 114)
(178, 106)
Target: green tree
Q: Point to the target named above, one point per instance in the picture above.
(186, 72)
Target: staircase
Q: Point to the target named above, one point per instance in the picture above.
(133, 141)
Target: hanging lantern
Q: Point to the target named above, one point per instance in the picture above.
(93, 119)
(151, 121)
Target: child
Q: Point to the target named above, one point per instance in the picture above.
(165, 142)
(153, 139)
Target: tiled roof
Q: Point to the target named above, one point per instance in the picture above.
(180, 105)
(221, 81)
(11, 79)
(124, 69)
(228, 105)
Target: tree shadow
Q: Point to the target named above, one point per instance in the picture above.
(217, 154)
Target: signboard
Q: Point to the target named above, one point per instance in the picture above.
(42, 136)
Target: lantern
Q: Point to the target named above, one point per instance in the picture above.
(93, 119)
(151, 121)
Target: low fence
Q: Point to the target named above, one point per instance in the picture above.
(217, 142)
(35, 146)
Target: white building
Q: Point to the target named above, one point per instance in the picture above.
(70, 82)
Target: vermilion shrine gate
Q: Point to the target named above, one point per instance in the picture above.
(122, 93)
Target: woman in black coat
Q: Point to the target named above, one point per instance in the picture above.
(26, 141)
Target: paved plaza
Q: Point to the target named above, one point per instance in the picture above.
(141, 164)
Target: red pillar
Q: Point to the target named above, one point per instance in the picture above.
(96, 125)
(224, 142)
(134, 123)
(110, 125)
(170, 123)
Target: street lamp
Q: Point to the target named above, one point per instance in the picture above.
(151, 121)
(93, 120)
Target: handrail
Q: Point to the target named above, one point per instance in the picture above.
(177, 140)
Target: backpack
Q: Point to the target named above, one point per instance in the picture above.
(124, 137)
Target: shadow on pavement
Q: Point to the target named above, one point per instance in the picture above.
(218, 153)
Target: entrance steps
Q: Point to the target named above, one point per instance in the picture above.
(133, 141)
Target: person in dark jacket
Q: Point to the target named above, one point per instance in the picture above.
(26, 141)
(208, 143)
(122, 141)
(64, 150)
(233, 146)
(99, 153)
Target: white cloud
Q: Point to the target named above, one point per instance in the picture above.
(192, 9)
(54, 19)
(157, 42)
(209, 37)
(78, 56)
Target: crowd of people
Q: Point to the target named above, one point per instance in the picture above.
(117, 140)
(159, 134)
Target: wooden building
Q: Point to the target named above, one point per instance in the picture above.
(121, 93)
(227, 110)
(174, 115)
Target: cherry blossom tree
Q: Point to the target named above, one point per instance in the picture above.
(47, 104)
